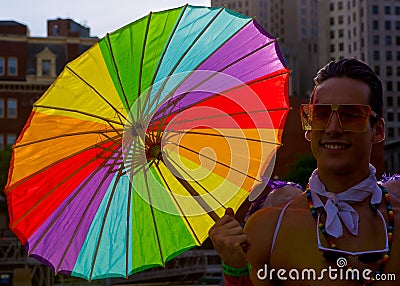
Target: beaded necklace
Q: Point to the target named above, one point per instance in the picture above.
(331, 241)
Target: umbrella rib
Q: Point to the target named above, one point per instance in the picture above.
(67, 204)
(104, 133)
(175, 101)
(166, 47)
(77, 111)
(217, 72)
(163, 54)
(178, 98)
(98, 93)
(204, 59)
(185, 53)
(178, 205)
(213, 215)
(217, 162)
(71, 175)
(176, 122)
(102, 225)
(141, 64)
(128, 216)
(224, 136)
(116, 69)
(97, 145)
(153, 216)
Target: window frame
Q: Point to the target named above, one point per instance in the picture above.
(8, 108)
(2, 66)
(9, 66)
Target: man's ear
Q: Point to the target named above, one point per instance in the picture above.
(379, 131)
(307, 135)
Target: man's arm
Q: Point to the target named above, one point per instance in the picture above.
(260, 230)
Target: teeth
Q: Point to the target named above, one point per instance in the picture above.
(335, 146)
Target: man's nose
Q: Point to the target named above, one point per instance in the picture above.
(334, 125)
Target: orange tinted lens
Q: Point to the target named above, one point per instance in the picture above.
(321, 114)
(354, 117)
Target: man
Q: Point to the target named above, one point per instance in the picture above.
(344, 217)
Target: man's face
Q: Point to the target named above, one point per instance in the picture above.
(337, 150)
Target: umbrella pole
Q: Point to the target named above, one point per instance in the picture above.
(193, 192)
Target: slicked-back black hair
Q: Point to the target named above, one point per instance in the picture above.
(355, 69)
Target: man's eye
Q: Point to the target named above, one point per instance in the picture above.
(353, 116)
(321, 114)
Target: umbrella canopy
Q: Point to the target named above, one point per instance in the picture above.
(143, 141)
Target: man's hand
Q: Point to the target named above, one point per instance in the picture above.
(229, 240)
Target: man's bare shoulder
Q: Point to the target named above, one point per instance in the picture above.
(267, 217)
(281, 196)
(393, 187)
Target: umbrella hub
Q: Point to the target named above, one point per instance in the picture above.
(154, 152)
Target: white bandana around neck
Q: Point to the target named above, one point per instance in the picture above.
(337, 206)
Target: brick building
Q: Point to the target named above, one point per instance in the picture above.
(28, 65)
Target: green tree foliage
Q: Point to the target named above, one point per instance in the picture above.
(301, 169)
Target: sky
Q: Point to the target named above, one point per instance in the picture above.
(101, 16)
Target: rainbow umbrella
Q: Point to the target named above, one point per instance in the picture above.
(143, 141)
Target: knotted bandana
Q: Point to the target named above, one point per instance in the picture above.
(337, 206)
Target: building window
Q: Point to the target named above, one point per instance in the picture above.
(398, 70)
(332, 34)
(1, 141)
(340, 5)
(11, 108)
(389, 86)
(331, 7)
(375, 9)
(377, 70)
(397, 10)
(341, 47)
(388, 25)
(388, 40)
(389, 101)
(375, 39)
(375, 24)
(46, 65)
(340, 19)
(390, 132)
(389, 71)
(1, 66)
(12, 66)
(390, 116)
(397, 25)
(340, 33)
(11, 138)
(332, 48)
(388, 55)
(2, 108)
(376, 55)
(398, 88)
(387, 10)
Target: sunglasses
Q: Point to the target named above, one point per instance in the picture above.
(352, 117)
(358, 253)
